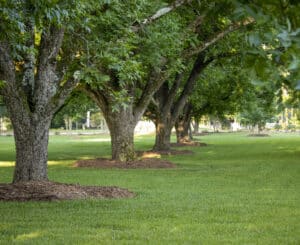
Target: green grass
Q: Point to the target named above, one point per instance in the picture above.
(237, 190)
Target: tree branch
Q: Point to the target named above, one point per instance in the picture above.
(47, 77)
(199, 65)
(59, 98)
(155, 81)
(7, 68)
(191, 52)
(159, 13)
(172, 93)
(97, 96)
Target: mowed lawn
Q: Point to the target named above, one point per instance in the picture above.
(237, 190)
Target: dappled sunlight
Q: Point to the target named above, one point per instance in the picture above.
(28, 236)
(151, 155)
(7, 164)
(55, 163)
(92, 157)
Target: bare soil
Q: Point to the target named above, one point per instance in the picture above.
(52, 191)
(146, 162)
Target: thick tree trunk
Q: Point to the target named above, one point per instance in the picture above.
(121, 126)
(32, 94)
(31, 150)
(182, 125)
(182, 131)
(163, 134)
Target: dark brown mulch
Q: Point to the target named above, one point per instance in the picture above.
(258, 135)
(202, 133)
(52, 191)
(142, 163)
(188, 143)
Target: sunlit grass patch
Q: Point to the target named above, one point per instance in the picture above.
(28, 236)
(7, 163)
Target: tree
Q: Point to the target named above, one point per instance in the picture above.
(222, 90)
(37, 63)
(260, 109)
(171, 98)
(126, 63)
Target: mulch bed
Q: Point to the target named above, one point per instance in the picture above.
(142, 163)
(188, 143)
(52, 191)
(258, 135)
(145, 154)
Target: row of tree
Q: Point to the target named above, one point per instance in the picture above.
(136, 58)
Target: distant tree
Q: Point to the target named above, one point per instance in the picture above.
(170, 99)
(223, 89)
(260, 108)
(73, 111)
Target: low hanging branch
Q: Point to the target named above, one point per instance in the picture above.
(159, 13)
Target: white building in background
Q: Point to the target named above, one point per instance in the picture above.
(235, 126)
(144, 127)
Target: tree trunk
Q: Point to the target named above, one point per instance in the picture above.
(182, 131)
(32, 96)
(168, 107)
(163, 134)
(31, 149)
(182, 125)
(121, 123)
(121, 126)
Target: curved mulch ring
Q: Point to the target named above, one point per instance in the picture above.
(53, 191)
(188, 143)
(142, 163)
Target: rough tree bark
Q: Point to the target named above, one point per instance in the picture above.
(32, 96)
(182, 125)
(31, 148)
(121, 126)
(160, 112)
(163, 130)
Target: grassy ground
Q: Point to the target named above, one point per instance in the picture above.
(237, 190)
